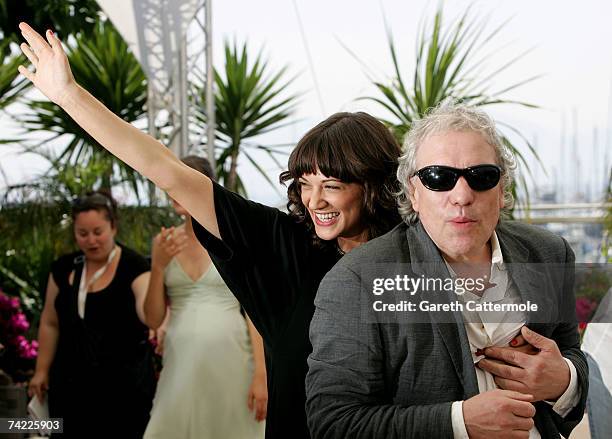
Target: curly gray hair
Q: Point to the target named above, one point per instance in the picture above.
(451, 116)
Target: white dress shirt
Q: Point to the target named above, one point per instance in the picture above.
(485, 329)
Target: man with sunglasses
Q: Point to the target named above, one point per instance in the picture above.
(454, 372)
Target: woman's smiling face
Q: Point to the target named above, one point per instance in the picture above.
(335, 208)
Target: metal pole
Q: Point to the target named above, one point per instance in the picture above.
(184, 139)
(210, 98)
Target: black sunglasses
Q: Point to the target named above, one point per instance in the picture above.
(444, 178)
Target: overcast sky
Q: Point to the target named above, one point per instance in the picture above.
(571, 44)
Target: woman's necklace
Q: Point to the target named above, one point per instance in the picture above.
(84, 284)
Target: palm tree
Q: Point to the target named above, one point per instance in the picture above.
(11, 84)
(248, 102)
(67, 17)
(103, 64)
(447, 67)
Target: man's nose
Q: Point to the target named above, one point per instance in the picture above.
(462, 194)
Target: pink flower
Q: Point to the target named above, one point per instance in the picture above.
(8, 303)
(15, 302)
(20, 342)
(29, 354)
(25, 349)
(584, 308)
(19, 323)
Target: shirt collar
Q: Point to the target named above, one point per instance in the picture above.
(496, 253)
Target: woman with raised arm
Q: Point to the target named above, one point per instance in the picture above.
(341, 179)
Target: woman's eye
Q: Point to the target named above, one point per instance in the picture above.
(332, 186)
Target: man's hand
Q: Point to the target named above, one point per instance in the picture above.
(498, 413)
(545, 374)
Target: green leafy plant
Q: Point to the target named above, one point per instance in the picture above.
(249, 101)
(68, 17)
(103, 65)
(450, 65)
(12, 85)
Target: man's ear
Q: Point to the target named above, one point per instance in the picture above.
(413, 194)
(502, 201)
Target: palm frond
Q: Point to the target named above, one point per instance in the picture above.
(250, 100)
(447, 59)
(103, 64)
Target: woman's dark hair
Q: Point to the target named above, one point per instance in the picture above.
(200, 164)
(355, 148)
(100, 200)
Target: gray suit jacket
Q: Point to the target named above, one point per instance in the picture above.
(398, 380)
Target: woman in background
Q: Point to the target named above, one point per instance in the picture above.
(94, 357)
(211, 379)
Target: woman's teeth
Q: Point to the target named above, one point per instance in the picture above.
(327, 216)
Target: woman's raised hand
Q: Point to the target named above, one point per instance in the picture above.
(52, 75)
(166, 245)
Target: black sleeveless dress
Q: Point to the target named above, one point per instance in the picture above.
(101, 380)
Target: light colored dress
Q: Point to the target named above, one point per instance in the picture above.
(207, 363)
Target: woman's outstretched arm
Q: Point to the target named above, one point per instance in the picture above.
(52, 76)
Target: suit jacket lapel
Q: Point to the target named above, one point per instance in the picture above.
(426, 259)
(530, 282)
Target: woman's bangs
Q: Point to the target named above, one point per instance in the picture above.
(330, 160)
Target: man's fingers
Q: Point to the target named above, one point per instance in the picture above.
(537, 340)
(523, 409)
(507, 355)
(507, 384)
(36, 42)
(250, 398)
(527, 349)
(29, 54)
(25, 72)
(524, 423)
(500, 369)
(518, 395)
(518, 434)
